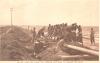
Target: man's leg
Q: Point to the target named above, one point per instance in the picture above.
(91, 41)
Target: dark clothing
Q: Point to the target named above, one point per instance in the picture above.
(79, 28)
(33, 35)
(41, 32)
(73, 36)
(80, 37)
(92, 37)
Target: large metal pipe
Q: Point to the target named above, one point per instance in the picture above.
(84, 50)
(71, 57)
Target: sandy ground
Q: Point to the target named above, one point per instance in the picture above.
(49, 53)
(87, 43)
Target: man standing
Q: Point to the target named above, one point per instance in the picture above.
(33, 41)
(80, 39)
(92, 37)
(33, 34)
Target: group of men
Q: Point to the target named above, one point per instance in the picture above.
(72, 33)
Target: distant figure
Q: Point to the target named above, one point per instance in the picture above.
(80, 39)
(92, 37)
(33, 34)
(50, 31)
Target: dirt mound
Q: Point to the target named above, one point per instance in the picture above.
(4, 29)
(13, 44)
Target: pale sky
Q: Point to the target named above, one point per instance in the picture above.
(44, 12)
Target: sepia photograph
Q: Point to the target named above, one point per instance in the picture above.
(49, 30)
